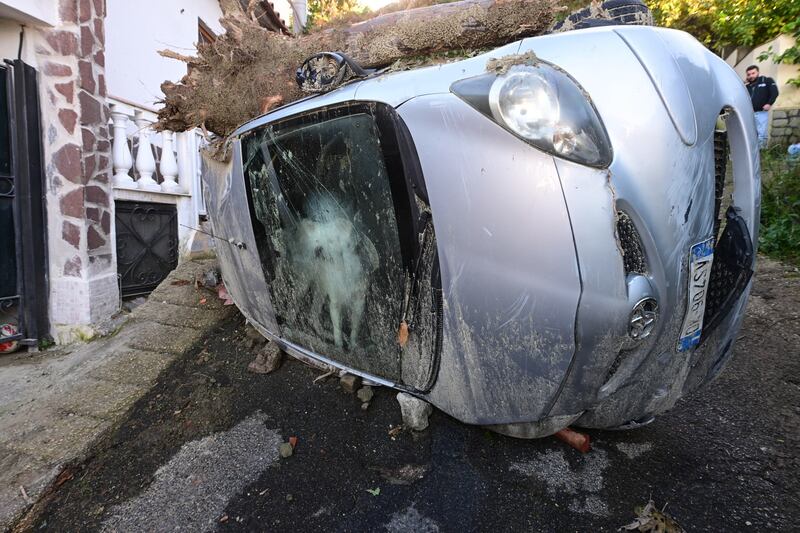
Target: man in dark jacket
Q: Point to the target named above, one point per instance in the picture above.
(763, 93)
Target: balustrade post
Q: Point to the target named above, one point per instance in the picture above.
(169, 165)
(145, 162)
(120, 151)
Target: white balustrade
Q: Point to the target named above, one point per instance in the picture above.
(120, 152)
(145, 162)
(180, 173)
(169, 165)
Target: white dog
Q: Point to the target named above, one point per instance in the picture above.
(332, 258)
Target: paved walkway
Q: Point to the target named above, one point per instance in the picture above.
(54, 404)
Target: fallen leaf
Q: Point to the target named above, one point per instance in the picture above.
(181, 282)
(375, 491)
(293, 441)
(402, 334)
(202, 301)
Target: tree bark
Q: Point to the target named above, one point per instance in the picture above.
(249, 69)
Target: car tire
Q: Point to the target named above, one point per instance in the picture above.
(610, 12)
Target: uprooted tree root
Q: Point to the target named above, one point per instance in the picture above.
(249, 70)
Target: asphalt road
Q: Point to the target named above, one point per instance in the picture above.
(200, 451)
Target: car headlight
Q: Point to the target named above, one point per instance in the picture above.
(544, 106)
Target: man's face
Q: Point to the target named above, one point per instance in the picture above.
(752, 74)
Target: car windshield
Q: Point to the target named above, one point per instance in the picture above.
(327, 232)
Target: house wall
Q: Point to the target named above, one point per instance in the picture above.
(71, 57)
(136, 31)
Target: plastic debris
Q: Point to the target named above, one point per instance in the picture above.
(650, 519)
(579, 441)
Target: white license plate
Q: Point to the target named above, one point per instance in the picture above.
(701, 256)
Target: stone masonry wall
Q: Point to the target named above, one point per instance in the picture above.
(77, 155)
(785, 126)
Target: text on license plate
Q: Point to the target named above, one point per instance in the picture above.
(701, 256)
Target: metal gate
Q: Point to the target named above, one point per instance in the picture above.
(22, 238)
(147, 245)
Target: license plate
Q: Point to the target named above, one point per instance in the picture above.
(701, 256)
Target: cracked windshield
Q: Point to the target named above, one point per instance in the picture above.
(328, 241)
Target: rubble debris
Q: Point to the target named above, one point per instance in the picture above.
(415, 412)
(365, 394)
(650, 519)
(253, 338)
(130, 305)
(579, 441)
(209, 279)
(286, 450)
(222, 294)
(268, 359)
(350, 383)
(404, 475)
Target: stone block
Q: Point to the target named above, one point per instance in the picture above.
(72, 267)
(84, 10)
(91, 109)
(71, 204)
(62, 42)
(71, 233)
(183, 317)
(102, 399)
(350, 383)
(779, 114)
(60, 439)
(155, 337)
(67, 90)
(67, 159)
(68, 118)
(780, 122)
(87, 41)
(415, 412)
(94, 239)
(56, 69)
(86, 72)
(97, 195)
(99, 31)
(68, 11)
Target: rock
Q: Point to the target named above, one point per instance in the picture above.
(415, 412)
(286, 450)
(350, 383)
(209, 278)
(365, 394)
(252, 334)
(130, 305)
(267, 360)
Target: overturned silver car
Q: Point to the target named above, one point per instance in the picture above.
(539, 236)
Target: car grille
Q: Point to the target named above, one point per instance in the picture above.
(720, 167)
(633, 256)
(730, 272)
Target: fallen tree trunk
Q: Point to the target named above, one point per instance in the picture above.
(249, 69)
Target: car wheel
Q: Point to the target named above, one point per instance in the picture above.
(610, 12)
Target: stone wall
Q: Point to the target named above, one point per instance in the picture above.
(77, 155)
(785, 128)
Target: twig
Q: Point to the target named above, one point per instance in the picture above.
(324, 376)
(25, 496)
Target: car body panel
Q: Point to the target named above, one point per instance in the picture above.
(509, 277)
